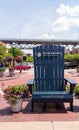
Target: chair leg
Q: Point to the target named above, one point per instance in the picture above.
(71, 106)
(32, 106)
(44, 107)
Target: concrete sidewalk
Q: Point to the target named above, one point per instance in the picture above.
(54, 125)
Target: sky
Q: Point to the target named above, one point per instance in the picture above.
(39, 19)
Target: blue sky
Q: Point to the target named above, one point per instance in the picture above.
(39, 19)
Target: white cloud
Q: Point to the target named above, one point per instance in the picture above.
(67, 10)
(61, 24)
(64, 24)
(47, 36)
(65, 21)
(74, 21)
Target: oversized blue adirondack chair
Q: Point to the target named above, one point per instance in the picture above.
(49, 76)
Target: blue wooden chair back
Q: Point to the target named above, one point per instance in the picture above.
(49, 67)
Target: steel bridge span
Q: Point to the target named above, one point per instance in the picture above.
(29, 44)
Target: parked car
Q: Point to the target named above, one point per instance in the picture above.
(24, 63)
(23, 67)
(29, 64)
(68, 65)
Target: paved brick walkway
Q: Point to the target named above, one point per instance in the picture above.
(52, 113)
(18, 78)
(72, 74)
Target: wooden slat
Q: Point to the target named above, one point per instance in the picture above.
(49, 67)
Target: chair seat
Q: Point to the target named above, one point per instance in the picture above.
(51, 95)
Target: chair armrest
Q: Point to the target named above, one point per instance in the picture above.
(72, 84)
(70, 81)
(30, 84)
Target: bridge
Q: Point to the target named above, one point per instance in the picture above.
(30, 43)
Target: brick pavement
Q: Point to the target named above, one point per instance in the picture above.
(72, 74)
(18, 78)
(52, 112)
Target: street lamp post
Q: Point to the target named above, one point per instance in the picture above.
(13, 45)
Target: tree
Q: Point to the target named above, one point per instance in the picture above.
(2, 51)
(15, 52)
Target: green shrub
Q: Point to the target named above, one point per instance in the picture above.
(76, 90)
(29, 59)
(2, 69)
(69, 57)
(68, 88)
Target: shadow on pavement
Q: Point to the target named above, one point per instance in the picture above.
(5, 111)
(50, 108)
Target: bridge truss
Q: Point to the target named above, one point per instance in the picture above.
(29, 44)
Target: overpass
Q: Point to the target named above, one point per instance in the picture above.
(30, 43)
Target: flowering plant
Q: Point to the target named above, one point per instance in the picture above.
(14, 93)
(11, 68)
(19, 59)
(9, 58)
